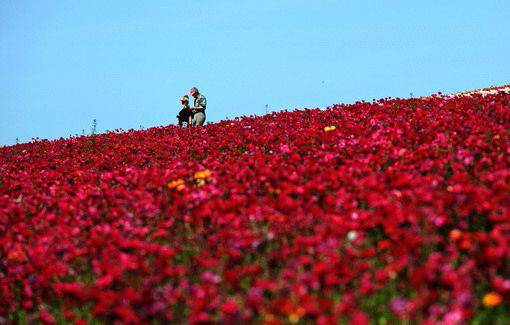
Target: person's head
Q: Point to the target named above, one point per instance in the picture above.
(185, 100)
(194, 92)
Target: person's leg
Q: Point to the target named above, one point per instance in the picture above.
(199, 119)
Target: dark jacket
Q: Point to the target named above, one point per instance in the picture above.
(185, 115)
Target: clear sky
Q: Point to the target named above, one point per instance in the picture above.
(126, 63)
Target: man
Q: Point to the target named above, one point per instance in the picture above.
(198, 107)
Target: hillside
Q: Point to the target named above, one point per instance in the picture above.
(385, 210)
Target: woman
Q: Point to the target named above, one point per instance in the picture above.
(186, 114)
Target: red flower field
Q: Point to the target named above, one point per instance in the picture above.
(377, 211)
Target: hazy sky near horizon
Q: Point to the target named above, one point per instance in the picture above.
(126, 63)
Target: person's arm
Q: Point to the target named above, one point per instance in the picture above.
(201, 105)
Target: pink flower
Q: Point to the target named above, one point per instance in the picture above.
(284, 148)
(211, 277)
(398, 305)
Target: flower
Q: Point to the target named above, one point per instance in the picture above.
(178, 184)
(352, 235)
(406, 199)
(491, 299)
(294, 318)
(17, 256)
(284, 148)
(46, 318)
(296, 315)
(383, 244)
(229, 306)
(202, 174)
(455, 234)
(398, 305)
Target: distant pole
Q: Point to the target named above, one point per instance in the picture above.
(411, 94)
(267, 107)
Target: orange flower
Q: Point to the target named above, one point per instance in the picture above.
(491, 299)
(202, 174)
(455, 234)
(177, 184)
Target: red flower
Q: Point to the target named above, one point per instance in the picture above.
(46, 318)
(229, 306)
(319, 216)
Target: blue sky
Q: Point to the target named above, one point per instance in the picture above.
(126, 63)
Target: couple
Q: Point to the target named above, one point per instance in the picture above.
(194, 115)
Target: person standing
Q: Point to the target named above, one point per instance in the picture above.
(198, 107)
(185, 115)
